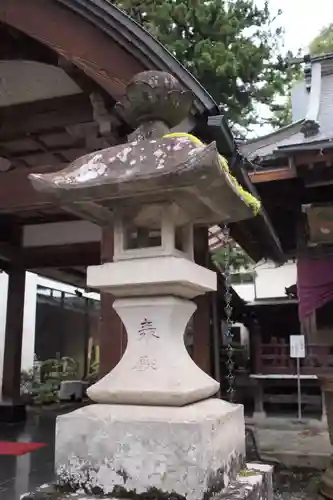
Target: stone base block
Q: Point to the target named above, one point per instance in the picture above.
(12, 412)
(119, 450)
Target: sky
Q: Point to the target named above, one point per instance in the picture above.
(302, 20)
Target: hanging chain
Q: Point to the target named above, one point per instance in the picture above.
(228, 312)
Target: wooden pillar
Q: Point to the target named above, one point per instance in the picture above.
(323, 406)
(13, 336)
(202, 350)
(256, 348)
(112, 334)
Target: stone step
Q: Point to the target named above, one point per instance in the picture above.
(255, 482)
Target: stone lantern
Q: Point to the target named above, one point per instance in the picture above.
(156, 428)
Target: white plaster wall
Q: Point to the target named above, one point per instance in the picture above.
(60, 233)
(3, 310)
(244, 336)
(270, 282)
(29, 321)
(246, 291)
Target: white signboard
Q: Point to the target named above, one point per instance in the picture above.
(297, 346)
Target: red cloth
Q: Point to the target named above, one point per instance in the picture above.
(10, 448)
(314, 284)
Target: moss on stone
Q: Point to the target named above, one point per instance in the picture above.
(247, 197)
(248, 473)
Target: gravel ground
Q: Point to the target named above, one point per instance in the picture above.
(293, 484)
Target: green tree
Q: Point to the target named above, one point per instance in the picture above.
(282, 113)
(323, 42)
(233, 256)
(233, 47)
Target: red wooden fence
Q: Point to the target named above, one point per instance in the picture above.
(275, 359)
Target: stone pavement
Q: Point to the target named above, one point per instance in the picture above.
(291, 443)
(24, 473)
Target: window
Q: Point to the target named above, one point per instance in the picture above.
(141, 237)
(236, 334)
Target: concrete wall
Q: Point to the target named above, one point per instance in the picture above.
(246, 291)
(3, 310)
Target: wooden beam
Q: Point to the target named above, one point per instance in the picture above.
(272, 175)
(17, 46)
(13, 336)
(112, 333)
(63, 275)
(45, 115)
(59, 256)
(85, 83)
(310, 157)
(202, 352)
(81, 254)
(17, 193)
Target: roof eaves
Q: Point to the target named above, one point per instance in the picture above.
(261, 223)
(322, 57)
(271, 138)
(222, 134)
(309, 146)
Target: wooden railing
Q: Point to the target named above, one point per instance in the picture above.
(275, 359)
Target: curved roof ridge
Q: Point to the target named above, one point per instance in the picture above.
(274, 133)
(272, 138)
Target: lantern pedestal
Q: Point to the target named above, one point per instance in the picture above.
(156, 429)
(156, 368)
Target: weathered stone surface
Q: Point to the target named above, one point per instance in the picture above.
(155, 96)
(191, 452)
(185, 171)
(252, 483)
(53, 492)
(166, 276)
